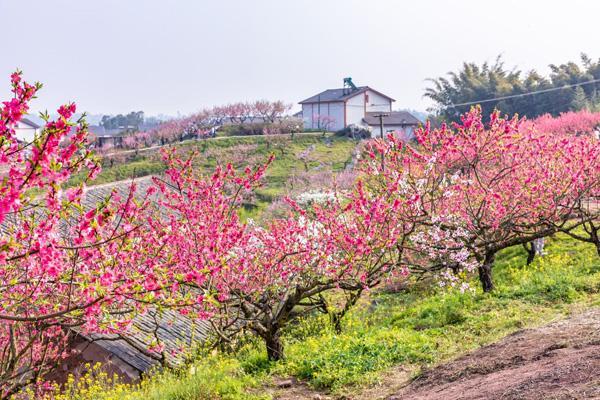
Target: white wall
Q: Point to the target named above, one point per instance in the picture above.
(355, 109)
(336, 111)
(307, 116)
(25, 132)
(405, 132)
(378, 103)
(311, 112)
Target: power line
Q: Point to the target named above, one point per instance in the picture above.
(526, 94)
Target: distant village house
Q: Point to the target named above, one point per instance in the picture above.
(107, 137)
(26, 130)
(336, 109)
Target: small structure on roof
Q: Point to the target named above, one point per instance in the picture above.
(337, 109)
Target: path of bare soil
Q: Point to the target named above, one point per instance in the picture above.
(558, 361)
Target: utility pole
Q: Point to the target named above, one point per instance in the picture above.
(380, 116)
(319, 113)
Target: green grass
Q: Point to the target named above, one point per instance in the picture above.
(330, 152)
(420, 327)
(211, 378)
(428, 325)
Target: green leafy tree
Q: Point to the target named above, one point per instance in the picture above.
(511, 91)
(580, 100)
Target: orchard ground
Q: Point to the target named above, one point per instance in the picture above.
(325, 152)
(395, 336)
(453, 203)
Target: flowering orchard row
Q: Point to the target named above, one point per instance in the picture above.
(444, 206)
(202, 123)
(580, 122)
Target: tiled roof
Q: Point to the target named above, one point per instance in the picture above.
(173, 330)
(342, 94)
(29, 122)
(393, 118)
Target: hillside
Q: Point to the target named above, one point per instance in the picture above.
(399, 333)
(558, 361)
(306, 161)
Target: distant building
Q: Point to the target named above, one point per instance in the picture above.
(26, 130)
(336, 109)
(401, 122)
(107, 137)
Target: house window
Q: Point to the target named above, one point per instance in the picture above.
(366, 97)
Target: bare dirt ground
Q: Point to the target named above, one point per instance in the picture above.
(558, 361)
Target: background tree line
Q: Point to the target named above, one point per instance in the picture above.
(565, 89)
(132, 120)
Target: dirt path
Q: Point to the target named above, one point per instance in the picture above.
(556, 361)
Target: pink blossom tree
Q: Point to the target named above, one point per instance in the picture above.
(271, 111)
(494, 186)
(61, 265)
(582, 122)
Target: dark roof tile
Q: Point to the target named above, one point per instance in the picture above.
(342, 94)
(393, 118)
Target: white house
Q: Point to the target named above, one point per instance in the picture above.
(335, 109)
(25, 130)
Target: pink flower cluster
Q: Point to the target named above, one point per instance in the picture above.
(582, 122)
(446, 206)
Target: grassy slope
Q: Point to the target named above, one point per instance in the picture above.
(331, 151)
(416, 328)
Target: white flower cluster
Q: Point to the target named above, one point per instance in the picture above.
(314, 196)
(445, 247)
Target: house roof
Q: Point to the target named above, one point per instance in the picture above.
(174, 331)
(97, 130)
(332, 95)
(29, 122)
(393, 118)
(100, 131)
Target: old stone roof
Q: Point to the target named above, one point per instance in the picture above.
(176, 332)
(30, 123)
(171, 328)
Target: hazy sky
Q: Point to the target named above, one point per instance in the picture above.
(163, 56)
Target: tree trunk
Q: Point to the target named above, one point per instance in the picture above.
(485, 272)
(274, 346)
(530, 249)
(595, 236)
(336, 321)
(335, 317)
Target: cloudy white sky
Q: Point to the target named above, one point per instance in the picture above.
(161, 56)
